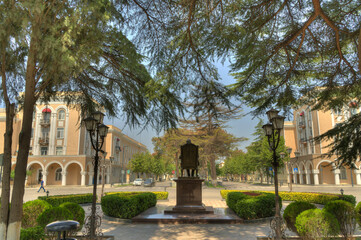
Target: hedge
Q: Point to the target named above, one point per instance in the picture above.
(56, 200)
(31, 211)
(252, 207)
(159, 195)
(318, 198)
(317, 224)
(54, 214)
(32, 233)
(127, 205)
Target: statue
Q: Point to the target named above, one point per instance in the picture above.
(189, 159)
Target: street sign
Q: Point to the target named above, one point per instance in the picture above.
(295, 170)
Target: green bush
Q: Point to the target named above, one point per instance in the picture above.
(317, 224)
(32, 233)
(293, 210)
(77, 210)
(358, 213)
(54, 214)
(159, 195)
(31, 211)
(233, 198)
(56, 200)
(318, 198)
(345, 215)
(125, 205)
(252, 207)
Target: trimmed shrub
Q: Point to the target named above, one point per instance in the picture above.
(125, 205)
(77, 210)
(56, 200)
(345, 215)
(54, 214)
(317, 224)
(293, 210)
(318, 198)
(31, 211)
(233, 198)
(252, 207)
(32, 233)
(159, 195)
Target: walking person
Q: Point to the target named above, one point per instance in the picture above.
(41, 185)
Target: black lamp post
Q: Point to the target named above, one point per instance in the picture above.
(97, 131)
(273, 133)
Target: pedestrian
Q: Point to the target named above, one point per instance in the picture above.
(41, 185)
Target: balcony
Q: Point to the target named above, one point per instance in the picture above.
(44, 141)
(45, 122)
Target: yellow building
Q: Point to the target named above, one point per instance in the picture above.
(308, 165)
(61, 152)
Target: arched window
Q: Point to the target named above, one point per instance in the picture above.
(61, 115)
(58, 174)
(343, 174)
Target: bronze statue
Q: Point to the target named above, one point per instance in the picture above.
(189, 159)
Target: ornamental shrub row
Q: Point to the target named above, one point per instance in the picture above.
(337, 217)
(318, 198)
(252, 206)
(159, 195)
(56, 200)
(127, 205)
(38, 213)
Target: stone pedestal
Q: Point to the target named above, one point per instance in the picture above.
(189, 197)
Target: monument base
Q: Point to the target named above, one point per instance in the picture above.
(189, 197)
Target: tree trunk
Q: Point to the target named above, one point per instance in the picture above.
(16, 210)
(5, 188)
(213, 168)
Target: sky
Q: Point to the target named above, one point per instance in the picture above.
(243, 127)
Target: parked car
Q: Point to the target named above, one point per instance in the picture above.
(138, 182)
(149, 182)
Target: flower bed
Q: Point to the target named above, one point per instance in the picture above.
(318, 198)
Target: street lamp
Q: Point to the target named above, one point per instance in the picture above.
(97, 132)
(273, 132)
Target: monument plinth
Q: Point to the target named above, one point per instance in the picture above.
(189, 189)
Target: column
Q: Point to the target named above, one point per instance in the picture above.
(45, 174)
(358, 176)
(337, 176)
(90, 174)
(82, 183)
(308, 177)
(295, 177)
(63, 178)
(315, 176)
(301, 176)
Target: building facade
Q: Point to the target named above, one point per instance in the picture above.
(61, 152)
(308, 165)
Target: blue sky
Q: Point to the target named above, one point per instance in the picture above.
(243, 127)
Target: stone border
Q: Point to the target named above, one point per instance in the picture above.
(114, 219)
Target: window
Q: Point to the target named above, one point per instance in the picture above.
(61, 115)
(44, 150)
(343, 174)
(58, 175)
(60, 133)
(59, 150)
